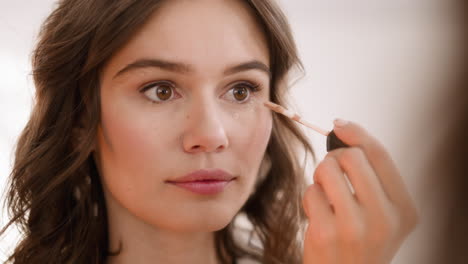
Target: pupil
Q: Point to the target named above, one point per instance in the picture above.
(164, 93)
(240, 93)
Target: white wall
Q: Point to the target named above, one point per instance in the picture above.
(381, 63)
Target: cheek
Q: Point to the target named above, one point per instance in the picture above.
(251, 134)
(131, 144)
(131, 138)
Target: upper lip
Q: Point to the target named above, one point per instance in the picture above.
(205, 175)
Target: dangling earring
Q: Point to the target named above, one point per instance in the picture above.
(265, 167)
(95, 205)
(77, 190)
(95, 210)
(77, 195)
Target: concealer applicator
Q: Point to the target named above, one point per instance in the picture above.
(333, 142)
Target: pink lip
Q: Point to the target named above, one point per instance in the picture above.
(206, 181)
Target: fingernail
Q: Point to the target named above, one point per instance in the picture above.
(340, 122)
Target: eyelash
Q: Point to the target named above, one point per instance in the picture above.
(253, 87)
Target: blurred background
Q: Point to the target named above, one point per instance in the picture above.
(384, 64)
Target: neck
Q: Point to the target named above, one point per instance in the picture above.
(142, 243)
(162, 247)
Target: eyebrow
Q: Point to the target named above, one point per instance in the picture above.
(186, 68)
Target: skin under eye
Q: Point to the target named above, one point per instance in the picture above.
(159, 92)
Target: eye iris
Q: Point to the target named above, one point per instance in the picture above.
(240, 93)
(164, 93)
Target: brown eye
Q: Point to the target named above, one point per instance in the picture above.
(164, 93)
(159, 92)
(240, 93)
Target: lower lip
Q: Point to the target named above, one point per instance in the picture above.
(203, 187)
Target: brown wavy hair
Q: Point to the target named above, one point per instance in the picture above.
(75, 41)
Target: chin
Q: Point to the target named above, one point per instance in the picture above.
(203, 221)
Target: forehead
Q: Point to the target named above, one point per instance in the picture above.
(208, 34)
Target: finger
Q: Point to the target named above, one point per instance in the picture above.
(316, 206)
(330, 175)
(380, 160)
(320, 237)
(364, 181)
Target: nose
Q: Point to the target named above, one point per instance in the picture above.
(205, 131)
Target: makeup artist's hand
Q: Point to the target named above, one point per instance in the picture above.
(364, 227)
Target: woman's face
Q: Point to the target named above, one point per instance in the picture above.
(178, 97)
